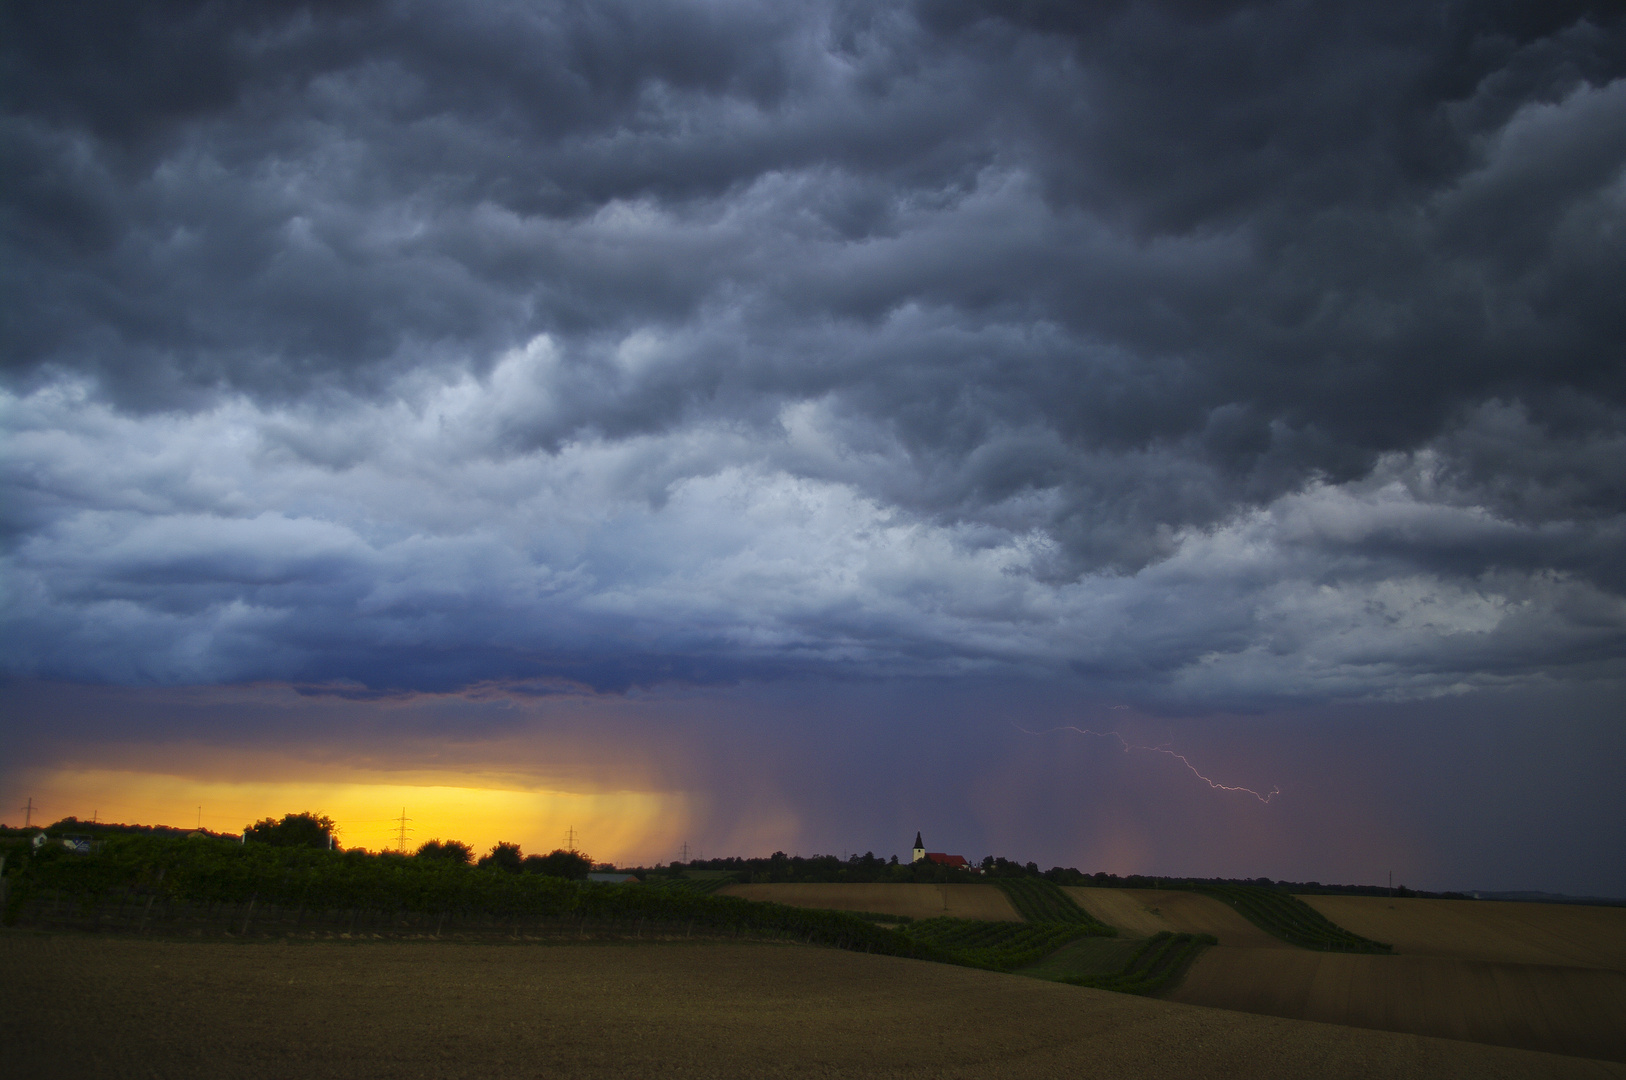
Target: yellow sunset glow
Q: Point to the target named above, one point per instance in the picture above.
(612, 826)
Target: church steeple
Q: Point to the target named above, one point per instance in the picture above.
(920, 849)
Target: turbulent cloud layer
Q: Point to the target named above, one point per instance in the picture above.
(1215, 353)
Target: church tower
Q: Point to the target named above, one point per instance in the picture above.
(920, 850)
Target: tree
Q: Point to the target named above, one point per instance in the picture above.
(559, 863)
(446, 850)
(294, 830)
(503, 856)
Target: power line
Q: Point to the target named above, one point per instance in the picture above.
(401, 830)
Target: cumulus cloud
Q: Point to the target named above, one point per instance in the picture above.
(1235, 352)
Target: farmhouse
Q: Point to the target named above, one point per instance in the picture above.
(957, 862)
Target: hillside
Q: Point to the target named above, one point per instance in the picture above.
(81, 1006)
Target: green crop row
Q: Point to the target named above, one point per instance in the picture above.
(1291, 919)
(705, 886)
(1157, 965)
(998, 946)
(1040, 901)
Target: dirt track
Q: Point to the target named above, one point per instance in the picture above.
(97, 1007)
(1570, 935)
(916, 901)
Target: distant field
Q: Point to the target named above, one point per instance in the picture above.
(918, 901)
(1570, 935)
(1148, 911)
(1568, 1010)
(95, 1006)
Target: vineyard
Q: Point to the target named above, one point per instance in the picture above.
(1290, 919)
(1154, 967)
(1039, 901)
(705, 885)
(204, 886)
(209, 887)
(997, 946)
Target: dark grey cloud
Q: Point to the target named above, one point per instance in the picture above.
(1245, 349)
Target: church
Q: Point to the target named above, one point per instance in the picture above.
(957, 862)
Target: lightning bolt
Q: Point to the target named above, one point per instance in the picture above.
(1181, 758)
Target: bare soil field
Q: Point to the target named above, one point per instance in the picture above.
(95, 1006)
(1563, 1010)
(918, 901)
(1147, 911)
(1569, 935)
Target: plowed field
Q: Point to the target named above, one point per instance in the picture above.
(915, 901)
(1147, 911)
(1571, 935)
(109, 1008)
(1565, 1010)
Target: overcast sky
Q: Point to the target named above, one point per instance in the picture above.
(1248, 360)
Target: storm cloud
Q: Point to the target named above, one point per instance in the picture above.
(1214, 354)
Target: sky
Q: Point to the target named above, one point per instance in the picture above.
(1161, 438)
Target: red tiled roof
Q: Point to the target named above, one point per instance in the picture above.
(947, 860)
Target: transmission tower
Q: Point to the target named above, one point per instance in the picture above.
(28, 813)
(570, 840)
(401, 830)
(685, 851)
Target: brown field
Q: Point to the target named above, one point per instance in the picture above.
(918, 901)
(1569, 935)
(1546, 977)
(1147, 911)
(87, 1006)
(1563, 1010)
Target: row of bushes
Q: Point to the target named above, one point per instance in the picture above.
(1289, 918)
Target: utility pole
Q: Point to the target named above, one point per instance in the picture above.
(401, 831)
(28, 813)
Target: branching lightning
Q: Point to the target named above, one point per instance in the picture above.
(1181, 758)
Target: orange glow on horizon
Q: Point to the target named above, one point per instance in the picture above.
(624, 827)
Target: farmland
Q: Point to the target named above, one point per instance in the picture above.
(918, 901)
(109, 1007)
(1037, 900)
(1156, 965)
(1569, 935)
(1149, 911)
(1524, 976)
(998, 946)
(1538, 976)
(1568, 1010)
